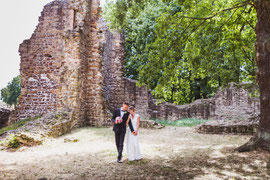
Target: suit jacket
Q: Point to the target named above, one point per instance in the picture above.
(121, 126)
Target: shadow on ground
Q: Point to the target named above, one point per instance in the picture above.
(187, 156)
(102, 166)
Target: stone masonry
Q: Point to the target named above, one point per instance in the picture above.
(61, 64)
(233, 103)
(73, 63)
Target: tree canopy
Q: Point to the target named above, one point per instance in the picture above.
(185, 50)
(11, 93)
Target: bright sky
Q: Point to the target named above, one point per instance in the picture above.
(18, 20)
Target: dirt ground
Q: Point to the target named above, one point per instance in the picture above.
(168, 153)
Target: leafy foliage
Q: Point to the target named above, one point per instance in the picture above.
(186, 50)
(11, 93)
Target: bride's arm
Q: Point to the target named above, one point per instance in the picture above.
(138, 124)
(130, 125)
(128, 120)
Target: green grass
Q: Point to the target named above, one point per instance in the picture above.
(17, 124)
(186, 122)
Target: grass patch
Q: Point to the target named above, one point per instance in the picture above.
(18, 124)
(186, 122)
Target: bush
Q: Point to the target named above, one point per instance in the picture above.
(13, 142)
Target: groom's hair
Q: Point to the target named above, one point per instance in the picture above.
(126, 103)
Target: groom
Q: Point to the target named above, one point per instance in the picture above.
(119, 128)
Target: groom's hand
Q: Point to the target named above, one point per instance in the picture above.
(134, 133)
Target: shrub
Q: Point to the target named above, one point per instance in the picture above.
(12, 142)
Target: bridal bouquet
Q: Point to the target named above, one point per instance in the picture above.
(118, 120)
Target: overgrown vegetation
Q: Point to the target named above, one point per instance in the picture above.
(12, 142)
(17, 124)
(186, 122)
(17, 140)
(186, 50)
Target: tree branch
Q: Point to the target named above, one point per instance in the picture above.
(243, 49)
(217, 13)
(227, 20)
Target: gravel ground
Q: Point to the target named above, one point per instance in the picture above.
(168, 153)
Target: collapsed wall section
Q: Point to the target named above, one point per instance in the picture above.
(148, 107)
(41, 60)
(230, 104)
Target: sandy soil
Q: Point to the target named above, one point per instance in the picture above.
(169, 153)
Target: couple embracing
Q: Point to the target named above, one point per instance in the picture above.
(122, 118)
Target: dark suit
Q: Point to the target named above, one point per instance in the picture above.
(120, 130)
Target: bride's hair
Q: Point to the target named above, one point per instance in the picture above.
(132, 108)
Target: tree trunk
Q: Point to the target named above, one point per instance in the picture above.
(262, 46)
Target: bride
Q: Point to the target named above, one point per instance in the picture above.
(133, 148)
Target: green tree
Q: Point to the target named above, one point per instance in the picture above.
(186, 50)
(11, 93)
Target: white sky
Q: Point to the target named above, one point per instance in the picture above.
(18, 20)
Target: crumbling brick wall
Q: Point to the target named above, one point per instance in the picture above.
(61, 64)
(232, 103)
(113, 69)
(41, 60)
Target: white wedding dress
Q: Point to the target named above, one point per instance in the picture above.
(133, 148)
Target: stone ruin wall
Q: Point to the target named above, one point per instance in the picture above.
(41, 60)
(113, 72)
(233, 103)
(61, 64)
(74, 63)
